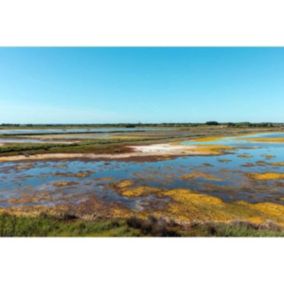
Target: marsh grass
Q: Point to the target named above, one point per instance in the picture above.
(70, 226)
(47, 226)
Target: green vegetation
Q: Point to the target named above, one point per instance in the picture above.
(44, 226)
(116, 143)
(133, 125)
(69, 225)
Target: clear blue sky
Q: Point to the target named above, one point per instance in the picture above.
(97, 85)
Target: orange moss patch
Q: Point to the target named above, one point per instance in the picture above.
(266, 176)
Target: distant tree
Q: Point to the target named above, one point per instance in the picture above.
(130, 126)
(212, 123)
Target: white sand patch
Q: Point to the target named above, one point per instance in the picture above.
(162, 148)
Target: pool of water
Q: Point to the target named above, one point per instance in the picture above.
(55, 182)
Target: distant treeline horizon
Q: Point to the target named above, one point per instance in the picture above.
(133, 125)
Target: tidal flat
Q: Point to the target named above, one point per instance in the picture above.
(147, 181)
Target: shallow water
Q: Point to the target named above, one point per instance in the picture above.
(20, 181)
(74, 130)
(22, 140)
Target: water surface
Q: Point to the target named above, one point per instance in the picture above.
(45, 179)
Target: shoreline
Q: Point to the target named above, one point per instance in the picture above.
(142, 151)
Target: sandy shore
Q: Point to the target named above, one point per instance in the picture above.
(143, 151)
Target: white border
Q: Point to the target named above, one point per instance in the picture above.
(141, 23)
(141, 261)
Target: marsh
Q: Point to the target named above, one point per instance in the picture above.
(224, 169)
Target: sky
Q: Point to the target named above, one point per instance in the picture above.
(114, 85)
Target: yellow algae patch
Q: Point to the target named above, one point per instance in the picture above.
(64, 183)
(271, 209)
(83, 174)
(203, 175)
(267, 140)
(139, 191)
(266, 176)
(206, 139)
(186, 206)
(277, 164)
(211, 149)
(124, 183)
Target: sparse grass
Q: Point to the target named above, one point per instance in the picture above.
(237, 229)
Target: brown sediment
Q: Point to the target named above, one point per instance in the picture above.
(248, 165)
(262, 163)
(245, 156)
(30, 198)
(207, 165)
(224, 160)
(78, 174)
(268, 156)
